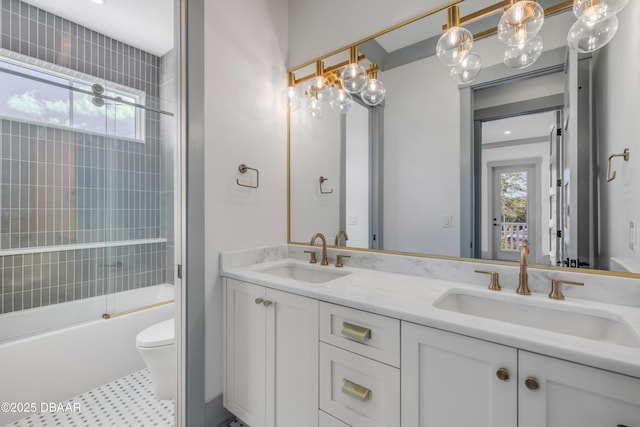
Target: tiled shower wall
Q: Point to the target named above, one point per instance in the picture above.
(64, 187)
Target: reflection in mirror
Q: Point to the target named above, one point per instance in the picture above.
(473, 170)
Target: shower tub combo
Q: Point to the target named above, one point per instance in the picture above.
(46, 359)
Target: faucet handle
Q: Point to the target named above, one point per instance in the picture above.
(494, 284)
(313, 259)
(339, 260)
(556, 288)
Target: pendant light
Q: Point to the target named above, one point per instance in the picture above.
(291, 98)
(353, 77)
(597, 10)
(341, 100)
(587, 36)
(520, 22)
(456, 42)
(467, 70)
(373, 91)
(319, 87)
(524, 54)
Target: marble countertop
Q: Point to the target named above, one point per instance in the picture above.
(411, 298)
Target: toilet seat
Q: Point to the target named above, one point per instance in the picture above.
(158, 335)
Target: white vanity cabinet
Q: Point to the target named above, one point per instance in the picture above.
(271, 356)
(571, 394)
(458, 381)
(450, 380)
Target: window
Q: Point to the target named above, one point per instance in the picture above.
(44, 97)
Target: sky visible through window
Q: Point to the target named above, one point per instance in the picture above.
(27, 99)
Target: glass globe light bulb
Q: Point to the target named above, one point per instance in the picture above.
(520, 22)
(373, 92)
(453, 45)
(291, 98)
(341, 100)
(597, 10)
(353, 77)
(467, 70)
(319, 88)
(522, 55)
(314, 107)
(587, 36)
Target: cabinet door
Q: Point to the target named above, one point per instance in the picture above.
(451, 380)
(292, 360)
(245, 335)
(575, 395)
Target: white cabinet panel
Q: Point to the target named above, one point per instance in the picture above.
(451, 380)
(383, 338)
(575, 395)
(271, 356)
(292, 360)
(245, 352)
(329, 421)
(337, 367)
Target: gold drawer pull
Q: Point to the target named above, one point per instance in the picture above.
(356, 391)
(356, 332)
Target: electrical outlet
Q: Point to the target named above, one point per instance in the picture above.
(633, 235)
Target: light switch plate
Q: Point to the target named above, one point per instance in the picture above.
(633, 235)
(447, 221)
(352, 219)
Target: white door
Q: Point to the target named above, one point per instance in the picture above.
(512, 221)
(292, 360)
(245, 337)
(456, 381)
(570, 394)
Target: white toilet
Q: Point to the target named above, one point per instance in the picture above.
(156, 345)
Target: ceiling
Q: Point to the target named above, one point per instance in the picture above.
(519, 127)
(145, 24)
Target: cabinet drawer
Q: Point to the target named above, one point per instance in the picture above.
(329, 421)
(368, 334)
(359, 391)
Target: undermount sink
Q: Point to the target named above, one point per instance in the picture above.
(304, 273)
(589, 323)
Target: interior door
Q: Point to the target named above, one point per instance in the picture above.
(512, 193)
(579, 236)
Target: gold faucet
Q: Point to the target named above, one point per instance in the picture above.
(523, 282)
(341, 233)
(324, 247)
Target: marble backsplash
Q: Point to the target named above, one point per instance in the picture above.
(597, 287)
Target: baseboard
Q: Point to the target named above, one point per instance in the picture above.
(214, 413)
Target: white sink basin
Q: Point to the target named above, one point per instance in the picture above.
(549, 315)
(305, 273)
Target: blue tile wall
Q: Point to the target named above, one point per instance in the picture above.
(61, 186)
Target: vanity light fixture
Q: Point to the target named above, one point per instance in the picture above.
(334, 85)
(596, 25)
(467, 70)
(518, 30)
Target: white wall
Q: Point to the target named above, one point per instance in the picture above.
(357, 176)
(421, 159)
(245, 49)
(616, 77)
(315, 152)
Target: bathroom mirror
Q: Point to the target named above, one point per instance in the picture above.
(472, 170)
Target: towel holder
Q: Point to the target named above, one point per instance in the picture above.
(243, 169)
(322, 180)
(624, 155)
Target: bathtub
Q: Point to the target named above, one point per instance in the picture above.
(46, 355)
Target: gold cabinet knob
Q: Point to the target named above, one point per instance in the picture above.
(267, 303)
(532, 383)
(503, 374)
(259, 300)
